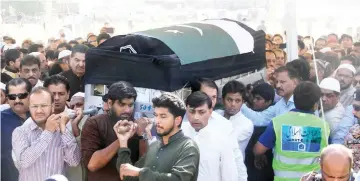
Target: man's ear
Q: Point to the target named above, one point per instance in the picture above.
(110, 102)
(178, 120)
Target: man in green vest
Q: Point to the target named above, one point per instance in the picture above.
(297, 138)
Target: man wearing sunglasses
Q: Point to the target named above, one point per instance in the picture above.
(333, 109)
(17, 91)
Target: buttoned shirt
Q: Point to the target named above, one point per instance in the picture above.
(347, 96)
(243, 129)
(40, 153)
(333, 117)
(347, 121)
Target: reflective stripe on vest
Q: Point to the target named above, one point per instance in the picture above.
(302, 161)
(289, 174)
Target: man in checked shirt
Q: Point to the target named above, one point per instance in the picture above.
(45, 144)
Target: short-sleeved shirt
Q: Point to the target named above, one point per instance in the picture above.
(9, 121)
(268, 138)
(98, 134)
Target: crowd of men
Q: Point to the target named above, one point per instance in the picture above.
(272, 129)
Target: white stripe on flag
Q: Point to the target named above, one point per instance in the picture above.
(243, 39)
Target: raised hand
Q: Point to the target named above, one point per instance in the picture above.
(125, 129)
(52, 123)
(64, 119)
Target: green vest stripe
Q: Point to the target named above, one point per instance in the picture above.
(300, 138)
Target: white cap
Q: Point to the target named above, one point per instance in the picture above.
(2, 86)
(79, 94)
(326, 49)
(35, 54)
(347, 66)
(330, 84)
(58, 177)
(64, 53)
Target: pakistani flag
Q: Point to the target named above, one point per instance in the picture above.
(209, 39)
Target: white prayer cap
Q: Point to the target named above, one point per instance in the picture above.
(347, 66)
(57, 177)
(79, 94)
(64, 53)
(326, 49)
(35, 54)
(330, 84)
(2, 86)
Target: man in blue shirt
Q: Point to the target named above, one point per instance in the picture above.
(17, 91)
(286, 80)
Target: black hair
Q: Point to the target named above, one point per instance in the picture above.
(56, 80)
(278, 36)
(345, 36)
(29, 60)
(302, 67)
(321, 39)
(24, 51)
(197, 99)
(270, 51)
(16, 82)
(306, 95)
(51, 54)
(34, 47)
(121, 90)
(40, 89)
(173, 103)
(102, 36)
(73, 42)
(196, 85)
(301, 44)
(105, 98)
(11, 55)
(55, 69)
(79, 49)
(66, 45)
(5, 78)
(357, 44)
(292, 73)
(234, 86)
(333, 34)
(352, 58)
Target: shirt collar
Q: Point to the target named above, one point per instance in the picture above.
(174, 137)
(23, 120)
(32, 124)
(7, 68)
(301, 111)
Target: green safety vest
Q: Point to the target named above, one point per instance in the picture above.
(300, 138)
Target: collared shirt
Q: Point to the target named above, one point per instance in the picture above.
(176, 161)
(347, 96)
(333, 117)
(347, 121)
(9, 121)
(97, 134)
(243, 128)
(225, 128)
(76, 83)
(40, 153)
(217, 160)
(264, 118)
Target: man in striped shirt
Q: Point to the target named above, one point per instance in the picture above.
(45, 145)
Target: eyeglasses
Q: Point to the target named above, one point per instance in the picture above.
(20, 96)
(344, 76)
(41, 106)
(356, 107)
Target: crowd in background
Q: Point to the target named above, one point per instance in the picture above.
(191, 139)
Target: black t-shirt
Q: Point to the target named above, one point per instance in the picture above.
(76, 83)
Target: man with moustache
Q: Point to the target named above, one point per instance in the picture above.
(44, 68)
(17, 91)
(174, 157)
(345, 75)
(30, 70)
(44, 146)
(99, 143)
(75, 75)
(287, 79)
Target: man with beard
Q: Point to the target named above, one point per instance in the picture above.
(30, 70)
(345, 75)
(44, 147)
(44, 68)
(333, 109)
(75, 75)
(17, 91)
(59, 86)
(174, 157)
(99, 143)
(286, 80)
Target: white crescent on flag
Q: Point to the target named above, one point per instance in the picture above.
(188, 26)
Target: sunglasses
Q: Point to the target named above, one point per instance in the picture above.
(356, 108)
(20, 96)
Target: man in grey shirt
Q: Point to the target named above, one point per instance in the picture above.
(174, 157)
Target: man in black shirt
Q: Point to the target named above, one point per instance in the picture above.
(75, 75)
